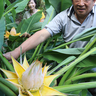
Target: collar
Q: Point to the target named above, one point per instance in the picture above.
(93, 10)
(71, 10)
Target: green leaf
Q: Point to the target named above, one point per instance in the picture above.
(30, 21)
(6, 90)
(85, 92)
(10, 25)
(75, 87)
(82, 76)
(86, 33)
(61, 54)
(13, 38)
(14, 14)
(12, 5)
(21, 6)
(13, 10)
(8, 20)
(35, 27)
(9, 85)
(90, 44)
(65, 62)
(56, 4)
(20, 25)
(47, 4)
(88, 62)
(1, 8)
(8, 2)
(70, 51)
(79, 59)
(2, 30)
(65, 4)
(50, 14)
(72, 41)
(6, 62)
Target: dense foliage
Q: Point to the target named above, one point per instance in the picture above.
(73, 64)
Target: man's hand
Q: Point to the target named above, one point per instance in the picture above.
(13, 53)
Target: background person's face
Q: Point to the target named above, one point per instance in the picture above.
(83, 7)
(31, 5)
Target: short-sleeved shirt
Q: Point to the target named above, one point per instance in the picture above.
(66, 23)
(28, 15)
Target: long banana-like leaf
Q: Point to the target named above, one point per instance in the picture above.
(83, 76)
(9, 85)
(65, 62)
(30, 21)
(2, 30)
(90, 44)
(71, 65)
(56, 4)
(60, 54)
(75, 87)
(92, 51)
(59, 5)
(20, 26)
(50, 14)
(6, 90)
(6, 62)
(86, 33)
(21, 6)
(81, 38)
(65, 4)
(13, 10)
(12, 5)
(35, 27)
(9, 22)
(88, 62)
(1, 8)
(47, 4)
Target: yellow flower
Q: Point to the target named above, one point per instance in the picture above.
(31, 80)
(12, 32)
(7, 34)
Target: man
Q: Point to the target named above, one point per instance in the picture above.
(80, 16)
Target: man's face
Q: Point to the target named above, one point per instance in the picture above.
(83, 7)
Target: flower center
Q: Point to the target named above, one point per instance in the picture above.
(36, 89)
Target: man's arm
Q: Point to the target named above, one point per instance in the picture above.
(30, 43)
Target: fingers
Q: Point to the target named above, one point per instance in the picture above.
(7, 56)
(26, 35)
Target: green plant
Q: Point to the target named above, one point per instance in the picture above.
(73, 64)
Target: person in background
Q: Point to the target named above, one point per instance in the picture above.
(32, 10)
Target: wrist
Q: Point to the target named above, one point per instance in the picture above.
(17, 50)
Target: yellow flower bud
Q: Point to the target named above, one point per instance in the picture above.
(33, 77)
(13, 31)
